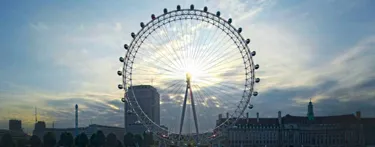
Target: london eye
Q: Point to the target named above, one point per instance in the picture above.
(200, 65)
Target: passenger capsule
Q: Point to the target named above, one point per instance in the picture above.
(256, 66)
(255, 93)
(153, 17)
(119, 73)
(133, 34)
(126, 46)
(129, 111)
(247, 41)
(230, 20)
(239, 30)
(253, 53)
(178, 7)
(165, 10)
(121, 59)
(119, 86)
(205, 9)
(257, 80)
(251, 106)
(142, 25)
(218, 13)
(191, 7)
(123, 100)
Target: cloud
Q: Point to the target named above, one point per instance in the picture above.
(343, 85)
(39, 26)
(291, 70)
(238, 9)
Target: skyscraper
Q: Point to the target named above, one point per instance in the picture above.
(149, 100)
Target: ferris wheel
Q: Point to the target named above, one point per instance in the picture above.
(199, 64)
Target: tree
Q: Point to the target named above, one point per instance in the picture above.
(128, 140)
(35, 141)
(62, 139)
(138, 140)
(93, 140)
(100, 138)
(7, 141)
(148, 139)
(69, 140)
(81, 140)
(76, 142)
(49, 139)
(66, 140)
(119, 144)
(111, 140)
(21, 143)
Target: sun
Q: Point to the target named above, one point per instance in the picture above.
(193, 72)
(199, 75)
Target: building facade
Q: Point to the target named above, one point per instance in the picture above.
(149, 100)
(299, 131)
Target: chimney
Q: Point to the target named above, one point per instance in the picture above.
(220, 116)
(279, 117)
(257, 117)
(227, 115)
(358, 114)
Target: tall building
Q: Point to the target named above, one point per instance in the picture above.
(149, 100)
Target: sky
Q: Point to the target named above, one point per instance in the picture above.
(54, 55)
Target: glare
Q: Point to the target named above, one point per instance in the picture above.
(193, 71)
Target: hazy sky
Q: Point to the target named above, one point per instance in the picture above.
(57, 54)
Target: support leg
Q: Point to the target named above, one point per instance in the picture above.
(195, 115)
(183, 112)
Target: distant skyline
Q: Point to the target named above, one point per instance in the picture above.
(57, 54)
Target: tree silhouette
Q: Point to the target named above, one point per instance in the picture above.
(49, 139)
(138, 140)
(148, 139)
(63, 139)
(69, 140)
(128, 140)
(119, 144)
(7, 141)
(35, 141)
(76, 142)
(93, 140)
(21, 143)
(100, 138)
(111, 140)
(81, 140)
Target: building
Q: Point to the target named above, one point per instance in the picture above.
(291, 131)
(15, 125)
(369, 131)
(15, 130)
(149, 100)
(40, 129)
